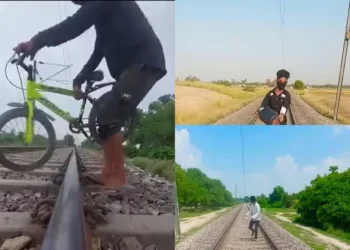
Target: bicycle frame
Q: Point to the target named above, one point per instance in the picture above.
(33, 94)
(33, 90)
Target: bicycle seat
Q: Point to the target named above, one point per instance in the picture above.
(95, 76)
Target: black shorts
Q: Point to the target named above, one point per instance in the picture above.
(122, 100)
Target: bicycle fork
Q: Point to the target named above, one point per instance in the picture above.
(28, 134)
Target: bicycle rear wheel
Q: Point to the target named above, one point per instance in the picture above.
(128, 127)
(49, 149)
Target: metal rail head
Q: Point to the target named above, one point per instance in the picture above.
(218, 242)
(66, 229)
(271, 242)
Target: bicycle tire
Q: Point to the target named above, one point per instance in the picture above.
(40, 117)
(92, 121)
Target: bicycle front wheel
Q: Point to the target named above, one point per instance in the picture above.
(13, 153)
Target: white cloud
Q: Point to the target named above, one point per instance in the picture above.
(16, 27)
(339, 129)
(286, 171)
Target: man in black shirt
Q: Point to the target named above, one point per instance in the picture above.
(134, 57)
(278, 99)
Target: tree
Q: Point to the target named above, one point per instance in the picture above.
(278, 197)
(262, 200)
(192, 79)
(325, 203)
(298, 84)
(195, 189)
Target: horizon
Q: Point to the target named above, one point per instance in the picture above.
(235, 44)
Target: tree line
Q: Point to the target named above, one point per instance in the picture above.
(297, 84)
(196, 190)
(323, 204)
(16, 139)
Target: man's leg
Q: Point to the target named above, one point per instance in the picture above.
(256, 228)
(251, 226)
(133, 85)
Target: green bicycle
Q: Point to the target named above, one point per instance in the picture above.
(31, 113)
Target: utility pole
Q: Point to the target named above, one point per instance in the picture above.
(177, 216)
(236, 192)
(342, 66)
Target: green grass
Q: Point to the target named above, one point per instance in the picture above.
(279, 210)
(163, 168)
(305, 235)
(188, 213)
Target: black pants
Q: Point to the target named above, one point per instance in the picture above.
(131, 87)
(254, 224)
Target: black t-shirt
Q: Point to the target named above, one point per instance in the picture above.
(123, 35)
(276, 102)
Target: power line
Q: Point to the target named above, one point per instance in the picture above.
(282, 4)
(243, 161)
(63, 47)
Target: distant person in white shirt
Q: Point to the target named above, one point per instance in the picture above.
(255, 217)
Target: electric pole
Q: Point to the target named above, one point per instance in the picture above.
(236, 192)
(342, 66)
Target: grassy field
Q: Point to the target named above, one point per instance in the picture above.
(188, 213)
(206, 103)
(322, 100)
(305, 235)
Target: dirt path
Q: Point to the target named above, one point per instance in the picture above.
(189, 223)
(324, 238)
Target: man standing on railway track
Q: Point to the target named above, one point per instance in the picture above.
(255, 217)
(278, 99)
(135, 59)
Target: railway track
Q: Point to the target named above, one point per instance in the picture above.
(290, 118)
(60, 206)
(238, 236)
(230, 232)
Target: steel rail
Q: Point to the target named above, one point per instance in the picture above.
(66, 229)
(23, 149)
(218, 242)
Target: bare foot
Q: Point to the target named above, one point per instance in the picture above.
(116, 183)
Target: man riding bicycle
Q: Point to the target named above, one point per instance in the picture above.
(134, 57)
(278, 99)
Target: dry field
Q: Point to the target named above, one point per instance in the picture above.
(206, 103)
(322, 100)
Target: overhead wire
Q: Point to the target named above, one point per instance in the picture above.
(63, 47)
(68, 55)
(282, 5)
(243, 158)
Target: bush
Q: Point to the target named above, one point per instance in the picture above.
(298, 84)
(164, 153)
(249, 88)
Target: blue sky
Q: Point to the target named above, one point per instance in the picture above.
(290, 156)
(238, 39)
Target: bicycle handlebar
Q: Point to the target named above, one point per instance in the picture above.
(20, 62)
